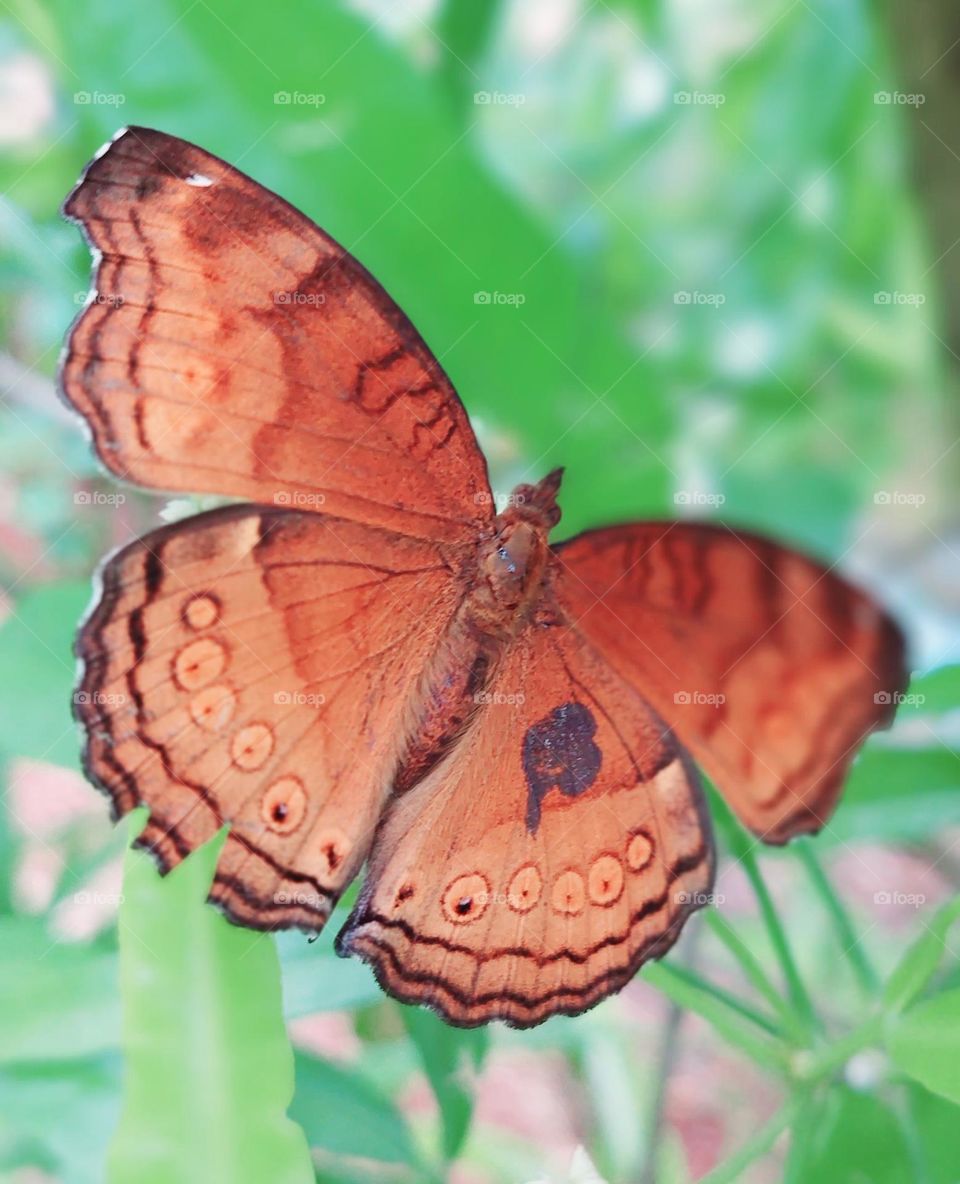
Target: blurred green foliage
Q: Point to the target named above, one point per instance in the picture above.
(719, 287)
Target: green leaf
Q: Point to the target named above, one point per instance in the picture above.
(450, 1057)
(897, 794)
(36, 645)
(921, 959)
(925, 1043)
(59, 1115)
(40, 1019)
(851, 1138)
(347, 1119)
(209, 1070)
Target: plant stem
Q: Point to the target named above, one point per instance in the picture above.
(753, 971)
(720, 1009)
(796, 991)
(843, 926)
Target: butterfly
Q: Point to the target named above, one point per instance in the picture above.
(361, 664)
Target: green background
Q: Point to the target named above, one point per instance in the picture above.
(725, 233)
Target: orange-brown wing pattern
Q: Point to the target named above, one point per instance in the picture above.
(559, 846)
(770, 668)
(254, 667)
(232, 347)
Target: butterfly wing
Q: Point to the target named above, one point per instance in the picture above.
(232, 347)
(255, 667)
(562, 843)
(769, 667)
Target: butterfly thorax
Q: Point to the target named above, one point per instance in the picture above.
(512, 562)
(506, 587)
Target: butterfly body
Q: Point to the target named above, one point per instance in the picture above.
(360, 665)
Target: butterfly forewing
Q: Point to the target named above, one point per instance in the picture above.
(769, 667)
(232, 347)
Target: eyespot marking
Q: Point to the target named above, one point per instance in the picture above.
(251, 747)
(213, 707)
(201, 611)
(525, 889)
(559, 753)
(465, 899)
(334, 847)
(639, 851)
(605, 880)
(568, 895)
(284, 804)
(199, 663)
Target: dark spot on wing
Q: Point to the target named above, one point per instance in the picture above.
(559, 753)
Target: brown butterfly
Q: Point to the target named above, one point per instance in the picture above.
(364, 663)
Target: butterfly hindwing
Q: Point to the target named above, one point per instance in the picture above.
(255, 668)
(560, 845)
